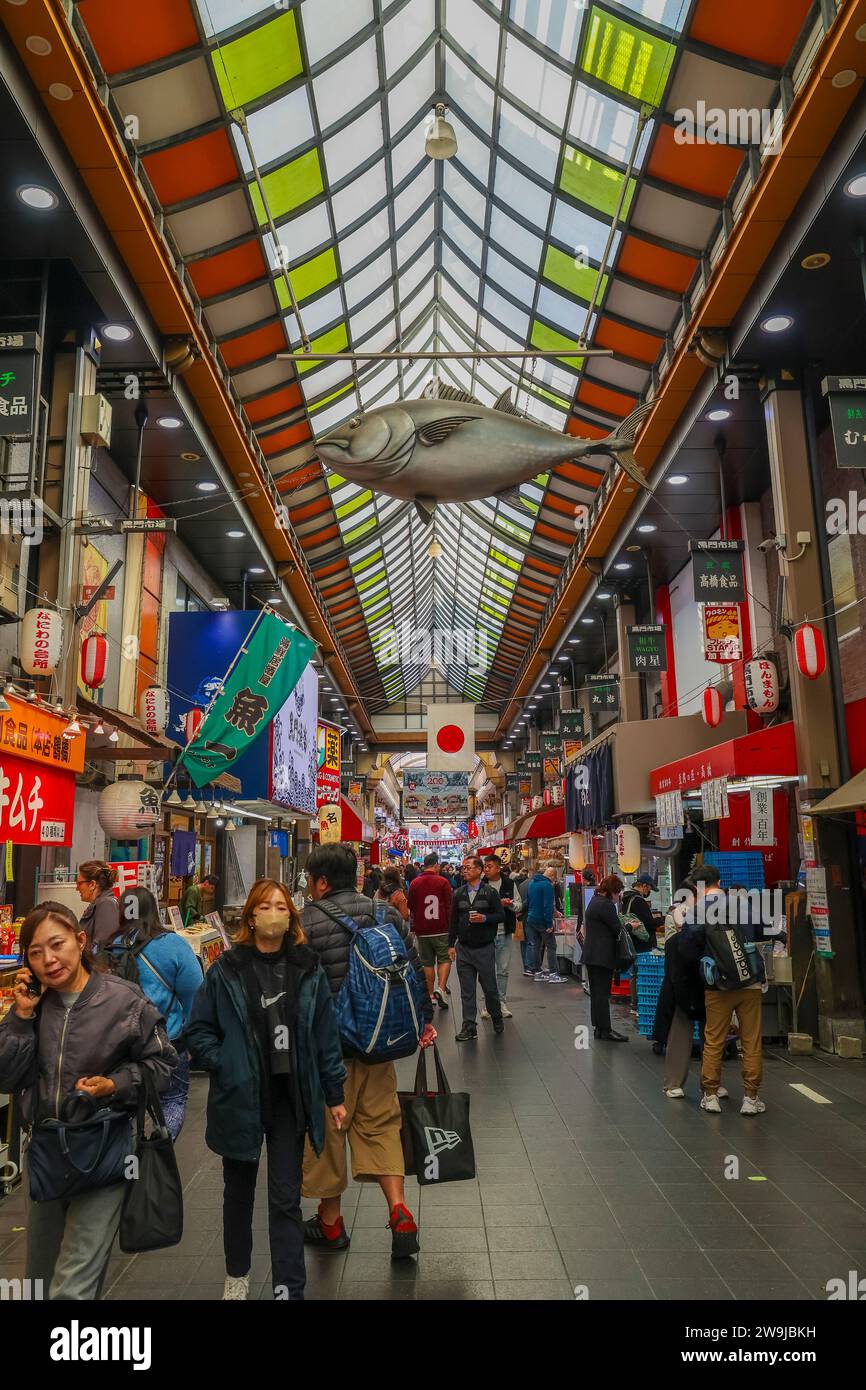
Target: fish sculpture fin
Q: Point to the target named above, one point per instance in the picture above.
(630, 466)
(506, 405)
(511, 495)
(437, 431)
(425, 507)
(438, 391)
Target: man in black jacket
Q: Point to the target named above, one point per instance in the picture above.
(373, 1117)
(475, 915)
(498, 878)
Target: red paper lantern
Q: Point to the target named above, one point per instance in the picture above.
(94, 660)
(192, 722)
(810, 652)
(712, 710)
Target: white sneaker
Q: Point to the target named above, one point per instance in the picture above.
(236, 1289)
(711, 1103)
(484, 1013)
(752, 1105)
(555, 979)
(722, 1093)
(675, 1093)
(541, 975)
(506, 1012)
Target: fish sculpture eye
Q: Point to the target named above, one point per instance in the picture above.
(355, 421)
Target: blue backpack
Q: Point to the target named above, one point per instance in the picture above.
(379, 1006)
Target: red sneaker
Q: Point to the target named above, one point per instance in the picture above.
(404, 1233)
(325, 1237)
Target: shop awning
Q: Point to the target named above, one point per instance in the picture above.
(142, 746)
(765, 753)
(354, 829)
(539, 825)
(851, 796)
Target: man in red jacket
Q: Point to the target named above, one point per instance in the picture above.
(430, 896)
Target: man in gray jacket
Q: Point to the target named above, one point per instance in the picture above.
(373, 1118)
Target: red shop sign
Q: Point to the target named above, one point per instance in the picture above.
(36, 803)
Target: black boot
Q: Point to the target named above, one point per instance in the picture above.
(468, 1033)
(611, 1036)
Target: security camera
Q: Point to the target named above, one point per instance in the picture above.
(774, 543)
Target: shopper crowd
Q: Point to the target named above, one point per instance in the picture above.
(299, 1064)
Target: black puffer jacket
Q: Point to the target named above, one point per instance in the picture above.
(332, 943)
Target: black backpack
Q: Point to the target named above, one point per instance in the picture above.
(731, 960)
(122, 960)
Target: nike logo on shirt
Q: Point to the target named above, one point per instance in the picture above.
(266, 1003)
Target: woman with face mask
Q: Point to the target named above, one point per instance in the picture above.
(264, 1027)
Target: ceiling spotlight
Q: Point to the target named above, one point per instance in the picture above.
(235, 535)
(231, 824)
(207, 487)
(173, 800)
(777, 323)
(189, 457)
(587, 620)
(277, 599)
(677, 479)
(846, 78)
(440, 139)
(647, 528)
(42, 199)
(117, 332)
(604, 596)
(114, 737)
(623, 565)
(38, 45)
(169, 422)
(60, 91)
(256, 569)
(99, 727)
(73, 729)
(718, 415)
(856, 187)
(575, 641)
(816, 261)
(219, 822)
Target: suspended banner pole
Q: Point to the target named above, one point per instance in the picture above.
(546, 356)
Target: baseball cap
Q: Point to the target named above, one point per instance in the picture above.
(646, 879)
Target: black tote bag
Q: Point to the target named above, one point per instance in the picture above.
(438, 1124)
(68, 1157)
(625, 952)
(152, 1215)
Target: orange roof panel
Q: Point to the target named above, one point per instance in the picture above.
(128, 36)
(654, 265)
(764, 31)
(629, 342)
(185, 171)
(252, 347)
(275, 403)
(286, 439)
(701, 168)
(603, 398)
(229, 270)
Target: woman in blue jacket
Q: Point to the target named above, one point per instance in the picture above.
(265, 1028)
(169, 975)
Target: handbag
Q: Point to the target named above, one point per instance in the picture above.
(625, 952)
(67, 1157)
(152, 1214)
(438, 1124)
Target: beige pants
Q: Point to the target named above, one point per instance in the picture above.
(721, 1005)
(372, 1127)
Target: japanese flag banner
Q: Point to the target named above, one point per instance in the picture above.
(264, 674)
(451, 738)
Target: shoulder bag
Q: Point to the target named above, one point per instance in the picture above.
(67, 1157)
(152, 1215)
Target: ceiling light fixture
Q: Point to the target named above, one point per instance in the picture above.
(856, 187)
(718, 415)
(60, 91)
(816, 261)
(207, 487)
(440, 140)
(587, 620)
(42, 199)
(677, 479)
(604, 596)
(777, 323)
(256, 569)
(845, 78)
(36, 44)
(169, 422)
(623, 565)
(647, 528)
(117, 332)
(235, 535)
(189, 457)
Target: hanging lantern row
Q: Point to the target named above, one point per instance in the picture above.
(712, 709)
(810, 651)
(94, 660)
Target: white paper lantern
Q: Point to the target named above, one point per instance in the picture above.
(153, 709)
(712, 709)
(577, 852)
(94, 660)
(127, 810)
(40, 643)
(762, 686)
(628, 848)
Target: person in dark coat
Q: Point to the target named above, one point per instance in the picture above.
(601, 932)
(264, 1027)
(100, 919)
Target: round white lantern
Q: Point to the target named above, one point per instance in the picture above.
(153, 709)
(577, 854)
(712, 709)
(40, 643)
(127, 810)
(762, 686)
(628, 848)
(94, 660)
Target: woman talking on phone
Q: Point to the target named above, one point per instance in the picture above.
(264, 1027)
(75, 1042)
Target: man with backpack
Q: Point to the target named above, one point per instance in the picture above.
(475, 915)
(334, 922)
(733, 974)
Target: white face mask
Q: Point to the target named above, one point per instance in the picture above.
(271, 922)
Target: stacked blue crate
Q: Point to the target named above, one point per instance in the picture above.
(738, 866)
(650, 973)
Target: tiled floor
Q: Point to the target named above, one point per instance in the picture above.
(588, 1178)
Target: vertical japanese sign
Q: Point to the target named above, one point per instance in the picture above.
(669, 814)
(761, 813)
(603, 692)
(647, 647)
(846, 397)
(714, 799)
(328, 775)
(818, 909)
(717, 569)
(17, 382)
(571, 721)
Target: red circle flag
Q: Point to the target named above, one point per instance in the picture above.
(450, 738)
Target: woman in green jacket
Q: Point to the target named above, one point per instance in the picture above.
(264, 1026)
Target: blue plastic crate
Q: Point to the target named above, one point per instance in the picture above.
(738, 866)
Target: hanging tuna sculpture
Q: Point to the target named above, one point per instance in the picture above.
(447, 447)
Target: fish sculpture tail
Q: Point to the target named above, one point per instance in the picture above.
(620, 444)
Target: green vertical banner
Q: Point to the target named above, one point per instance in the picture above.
(263, 677)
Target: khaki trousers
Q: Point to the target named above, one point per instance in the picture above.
(721, 1005)
(372, 1130)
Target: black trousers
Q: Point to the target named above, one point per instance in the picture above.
(285, 1225)
(600, 981)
